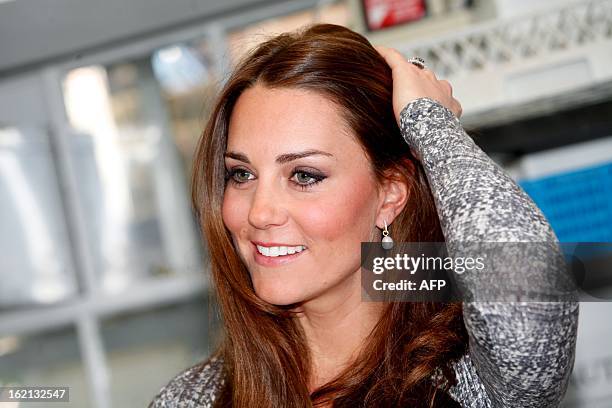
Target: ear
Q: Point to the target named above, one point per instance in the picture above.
(393, 198)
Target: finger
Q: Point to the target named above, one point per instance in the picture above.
(392, 56)
(429, 74)
(448, 86)
(395, 59)
(457, 108)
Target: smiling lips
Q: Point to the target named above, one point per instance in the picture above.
(274, 251)
(272, 255)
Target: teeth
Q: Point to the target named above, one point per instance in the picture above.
(278, 251)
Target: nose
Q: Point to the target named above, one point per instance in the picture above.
(266, 207)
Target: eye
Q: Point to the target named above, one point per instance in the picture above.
(307, 179)
(303, 179)
(237, 175)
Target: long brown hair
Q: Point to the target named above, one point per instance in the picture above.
(265, 358)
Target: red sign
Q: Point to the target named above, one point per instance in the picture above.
(388, 13)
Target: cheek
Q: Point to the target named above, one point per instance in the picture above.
(234, 211)
(341, 216)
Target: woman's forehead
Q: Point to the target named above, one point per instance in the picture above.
(282, 118)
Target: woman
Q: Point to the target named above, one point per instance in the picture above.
(317, 142)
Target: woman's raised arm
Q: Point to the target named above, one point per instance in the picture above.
(520, 354)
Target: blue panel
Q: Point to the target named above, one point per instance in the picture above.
(578, 204)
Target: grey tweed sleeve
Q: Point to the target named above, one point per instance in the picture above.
(196, 386)
(520, 353)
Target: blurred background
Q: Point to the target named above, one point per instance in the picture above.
(103, 274)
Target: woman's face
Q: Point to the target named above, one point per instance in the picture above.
(297, 178)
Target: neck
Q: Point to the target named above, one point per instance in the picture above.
(336, 326)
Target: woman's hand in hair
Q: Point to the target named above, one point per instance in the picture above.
(411, 82)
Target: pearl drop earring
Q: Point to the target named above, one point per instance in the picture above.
(387, 241)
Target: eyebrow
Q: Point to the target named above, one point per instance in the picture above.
(281, 159)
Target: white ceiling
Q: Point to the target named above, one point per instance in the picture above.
(34, 31)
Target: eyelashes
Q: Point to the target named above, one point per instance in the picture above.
(312, 178)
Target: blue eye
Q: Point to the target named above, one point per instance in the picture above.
(305, 179)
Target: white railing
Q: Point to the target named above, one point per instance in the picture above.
(514, 40)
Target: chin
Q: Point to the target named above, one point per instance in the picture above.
(278, 293)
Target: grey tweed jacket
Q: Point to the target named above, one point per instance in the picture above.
(520, 353)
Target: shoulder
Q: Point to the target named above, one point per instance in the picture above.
(197, 385)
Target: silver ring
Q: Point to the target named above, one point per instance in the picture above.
(419, 62)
